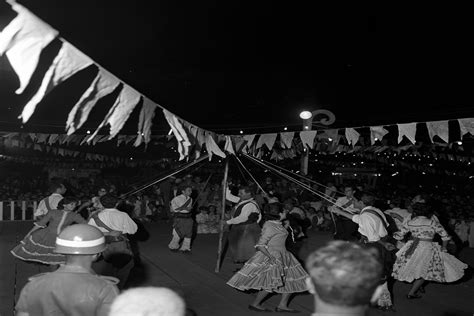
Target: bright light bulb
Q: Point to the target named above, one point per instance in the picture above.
(241, 132)
(459, 143)
(286, 128)
(306, 115)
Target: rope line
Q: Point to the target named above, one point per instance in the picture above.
(243, 166)
(298, 175)
(134, 191)
(319, 194)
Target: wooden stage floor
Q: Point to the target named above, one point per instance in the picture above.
(206, 293)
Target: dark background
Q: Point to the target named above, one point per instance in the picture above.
(231, 65)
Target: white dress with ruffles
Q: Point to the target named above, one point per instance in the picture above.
(286, 276)
(426, 261)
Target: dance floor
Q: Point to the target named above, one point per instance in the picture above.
(192, 275)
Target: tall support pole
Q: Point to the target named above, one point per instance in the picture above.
(221, 231)
(307, 126)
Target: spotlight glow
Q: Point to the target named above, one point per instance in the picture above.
(306, 115)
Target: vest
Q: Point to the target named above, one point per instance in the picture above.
(253, 217)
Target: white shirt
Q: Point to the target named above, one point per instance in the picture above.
(179, 201)
(248, 209)
(53, 203)
(115, 220)
(300, 212)
(370, 225)
(343, 200)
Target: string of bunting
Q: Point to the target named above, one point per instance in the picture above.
(24, 38)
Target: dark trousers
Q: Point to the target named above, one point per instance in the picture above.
(346, 229)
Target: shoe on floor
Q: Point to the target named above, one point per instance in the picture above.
(257, 309)
(284, 310)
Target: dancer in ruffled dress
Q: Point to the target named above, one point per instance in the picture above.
(39, 243)
(272, 269)
(421, 259)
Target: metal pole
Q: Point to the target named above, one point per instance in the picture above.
(307, 126)
(221, 232)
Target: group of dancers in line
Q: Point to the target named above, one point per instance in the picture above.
(257, 240)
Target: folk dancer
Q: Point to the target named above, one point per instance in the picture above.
(181, 207)
(115, 225)
(73, 289)
(51, 202)
(345, 229)
(421, 259)
(373, 226)
(244, 229)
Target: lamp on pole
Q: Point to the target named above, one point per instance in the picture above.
(307, 118)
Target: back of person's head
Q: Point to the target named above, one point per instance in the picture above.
(344, 273)
(55, 185)
(249, 189)
(422, 209)
(148, 301)
(65, 201)
(273, 211)
(109, 201)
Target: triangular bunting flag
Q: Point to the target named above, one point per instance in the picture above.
(467, 126)
(352, 136)
(119, 112)
(286, 139)
(179, 133)
(103, 84)
(212, 147)
(68, 62)
(377, 133)
(249, 139)
(307, 138)
(440, 128)
(228, 145)
(267, 139)
(147, 114)
(408, 130)
(23, 40)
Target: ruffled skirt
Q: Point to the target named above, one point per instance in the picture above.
(39, 247)
(286, 276)
(428, 262)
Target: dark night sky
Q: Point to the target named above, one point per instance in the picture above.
(227, 65)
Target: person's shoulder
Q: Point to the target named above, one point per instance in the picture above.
(38, 277)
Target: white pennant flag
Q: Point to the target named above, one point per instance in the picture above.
(68, 61)
(466, 126)
(212, 147)
(440, 128)
(179, 133)
(102, 85)
(286, 139)
(119, 112)
(267, 139)
(23, 40)
(249, 139)
(377, 133)
(123, 107)
(352, 136)
(228, 145)
(408, 130)
(147, 114)
(307, 138)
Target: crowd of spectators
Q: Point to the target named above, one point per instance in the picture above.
(454, 205)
